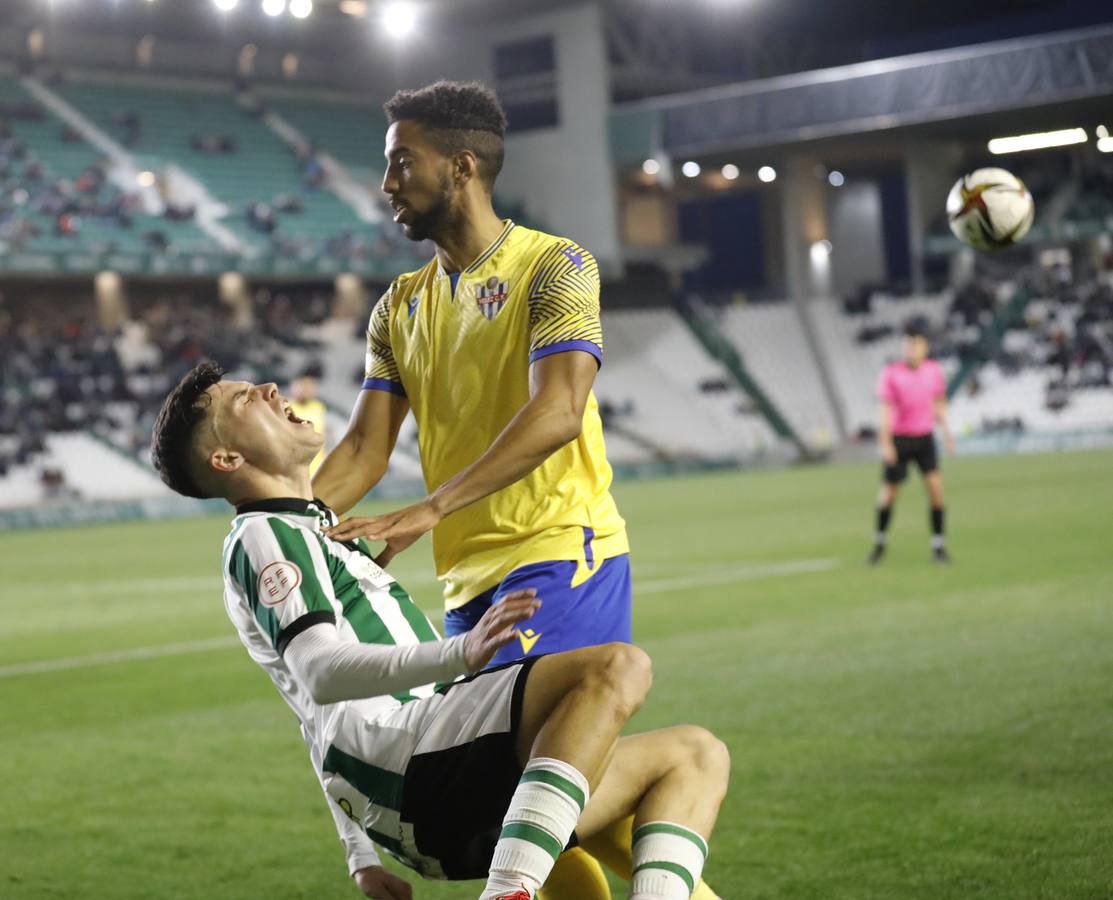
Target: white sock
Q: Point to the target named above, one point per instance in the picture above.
(668, 861)
(543, 813)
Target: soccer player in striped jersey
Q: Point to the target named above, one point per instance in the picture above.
(494, 345)
(456, 770)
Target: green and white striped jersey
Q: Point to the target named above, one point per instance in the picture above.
(282, 575)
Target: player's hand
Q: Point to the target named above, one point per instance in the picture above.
(949, 444)
(889, 453)
(498, 627)
(377, 883)
(399, 529)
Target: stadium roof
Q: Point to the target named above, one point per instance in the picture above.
(697, 43)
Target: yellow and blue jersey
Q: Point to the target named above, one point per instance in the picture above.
(459, 349)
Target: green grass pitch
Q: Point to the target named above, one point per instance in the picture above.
(906, 732)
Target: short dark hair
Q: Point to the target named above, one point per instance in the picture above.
(177, 421)
(458, 116)
(916, 328)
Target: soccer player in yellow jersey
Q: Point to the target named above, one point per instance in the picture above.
(308, 407)
(494, 345)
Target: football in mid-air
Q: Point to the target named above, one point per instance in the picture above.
(990, 209)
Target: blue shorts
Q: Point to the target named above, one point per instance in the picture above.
(596, 612)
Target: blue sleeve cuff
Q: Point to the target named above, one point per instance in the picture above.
(384, 384)
(564, 347)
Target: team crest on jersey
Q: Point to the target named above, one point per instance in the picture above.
(277, 581)
(492, 296)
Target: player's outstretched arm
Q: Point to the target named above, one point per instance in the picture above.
(360, 459)
(332, 670)
(553, 416)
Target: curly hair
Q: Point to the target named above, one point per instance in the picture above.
(457, 116)
(181, 413)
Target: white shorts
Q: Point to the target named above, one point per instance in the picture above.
(431, 781)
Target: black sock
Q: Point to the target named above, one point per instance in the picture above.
(937, 524)
(884, 513)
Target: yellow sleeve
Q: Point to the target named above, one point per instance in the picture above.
(564, 303)
(381, 371)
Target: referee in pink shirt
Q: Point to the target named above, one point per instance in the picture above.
(913, 395)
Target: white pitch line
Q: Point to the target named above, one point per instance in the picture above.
(706, 578)
(730, 576)
(184, 584)
(116, 656)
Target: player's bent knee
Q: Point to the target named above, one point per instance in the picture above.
(697, 749)
(624, 671)
(715, 757)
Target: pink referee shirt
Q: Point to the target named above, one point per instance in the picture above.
(912, 394)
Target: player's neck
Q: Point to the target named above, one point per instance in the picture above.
(265, 486)
(476, 228)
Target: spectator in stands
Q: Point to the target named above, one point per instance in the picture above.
(130, 124)
(156, 240)
(179, 213)
(260, 216)
(67, 225)
(288, 203)
(974, 303)
(52, 480)
(312, 172)
(90, 180)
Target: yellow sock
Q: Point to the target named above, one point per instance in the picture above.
(576, 876)
(612, 847)
(703, 892)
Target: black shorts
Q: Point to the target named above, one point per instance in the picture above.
(916, 448)
(456, 798)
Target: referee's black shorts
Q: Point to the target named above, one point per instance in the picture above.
(918, 448)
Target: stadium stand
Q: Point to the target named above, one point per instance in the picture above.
(56, 196)
(858, 346)
(772, 341)
(1052, 371)
(660, 393)
(81, 401)
(275, 199)
(68, 383)
(352, 133)
(288, 178)
(1050, 374)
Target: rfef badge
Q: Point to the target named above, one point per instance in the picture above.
(492, 296)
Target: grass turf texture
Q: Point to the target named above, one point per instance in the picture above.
(904, 732)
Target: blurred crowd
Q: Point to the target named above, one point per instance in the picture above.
(1065, 330)
(36, 202)
(64, 373)
(33, 203)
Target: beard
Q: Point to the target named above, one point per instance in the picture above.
(434, 221)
